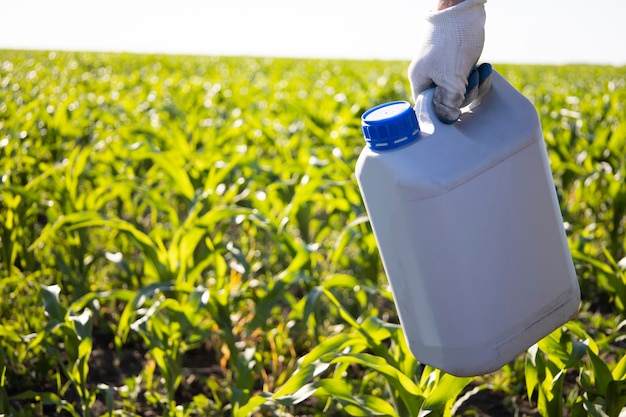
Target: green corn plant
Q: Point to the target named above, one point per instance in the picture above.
(605, 390)
(170, 320)
(600, 391)
(411, 389)
(4, 397)
(74, 332)
(19, 211)
(601, 382)
(610, 276)
(547, 364)
(156, 264)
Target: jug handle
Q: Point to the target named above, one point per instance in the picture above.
(478, 80)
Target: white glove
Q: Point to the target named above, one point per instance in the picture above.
(449, 49)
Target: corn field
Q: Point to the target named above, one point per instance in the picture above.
(184, 236)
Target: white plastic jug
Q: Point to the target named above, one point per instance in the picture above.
(468, 227)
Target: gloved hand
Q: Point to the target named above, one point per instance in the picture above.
(449, 49)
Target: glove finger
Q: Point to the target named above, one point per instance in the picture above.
(419, 82)
(479, 83)
(484, 71)
(484, 83)
(471, 93)
(470, 96)
(447, 105)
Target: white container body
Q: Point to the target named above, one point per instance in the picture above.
(470, 233)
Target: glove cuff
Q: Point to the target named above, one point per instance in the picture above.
(460, 28)
(461, 7)
(451, 24)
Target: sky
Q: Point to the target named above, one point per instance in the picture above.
(528, 31)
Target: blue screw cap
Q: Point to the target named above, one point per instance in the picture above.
(390, 125)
